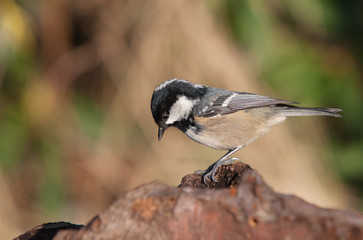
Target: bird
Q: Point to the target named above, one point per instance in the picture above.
(221, 119)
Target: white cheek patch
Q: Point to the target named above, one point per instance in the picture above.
(180, 109)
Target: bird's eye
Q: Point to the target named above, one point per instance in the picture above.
(165, 116)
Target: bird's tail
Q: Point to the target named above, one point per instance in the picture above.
(289, 111)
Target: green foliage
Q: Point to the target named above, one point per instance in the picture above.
(51, 192)
(89, 116)
(13, 135)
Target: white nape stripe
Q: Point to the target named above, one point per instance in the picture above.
(180, 109)
(198, 85)
(226, 102)
(167, 82)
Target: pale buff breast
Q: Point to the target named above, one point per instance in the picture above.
(235, 130)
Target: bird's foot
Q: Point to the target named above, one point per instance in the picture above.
(210, 172)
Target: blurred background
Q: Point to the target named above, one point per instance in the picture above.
(76, 79)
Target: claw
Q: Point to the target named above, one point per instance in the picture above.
(214, 177)
(205, 177)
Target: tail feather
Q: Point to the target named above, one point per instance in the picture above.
(290, 111)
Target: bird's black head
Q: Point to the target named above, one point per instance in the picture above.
(173, 101)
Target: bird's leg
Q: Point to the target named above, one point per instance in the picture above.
(210, 172)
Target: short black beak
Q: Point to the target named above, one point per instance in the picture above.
(161, 132)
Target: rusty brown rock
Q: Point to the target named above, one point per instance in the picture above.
(250, 210)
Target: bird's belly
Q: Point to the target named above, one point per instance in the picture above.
(233, 130)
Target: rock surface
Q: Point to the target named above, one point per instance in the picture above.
(243, 207)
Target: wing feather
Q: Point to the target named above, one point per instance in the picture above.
(235, 101)
(247, 100)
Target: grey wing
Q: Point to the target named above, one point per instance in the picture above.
(248, 100)
(235, 101)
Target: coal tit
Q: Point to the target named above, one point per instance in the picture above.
(221, 119)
